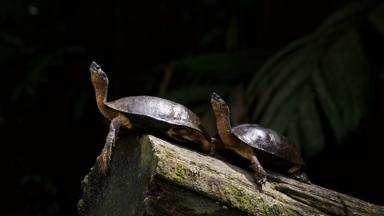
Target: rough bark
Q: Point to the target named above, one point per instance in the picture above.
(150, 176)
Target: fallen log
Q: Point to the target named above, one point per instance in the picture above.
(150, 176)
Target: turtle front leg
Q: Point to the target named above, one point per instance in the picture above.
(207, 144)
(260, 174)
(105, 157)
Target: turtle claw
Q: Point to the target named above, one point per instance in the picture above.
(260, 177)
(260, 174)
(104, 159)
(102, 165)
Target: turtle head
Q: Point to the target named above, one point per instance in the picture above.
(98, 76)
(219, 106)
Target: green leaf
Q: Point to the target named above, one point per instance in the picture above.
(195, 77)
(220, 67)
(328, 104)
(377, 18)
(266, 73)
(232, 37)
(265, 86)
(345, 62)
(193, 94)
(312, 138)
(325, 72)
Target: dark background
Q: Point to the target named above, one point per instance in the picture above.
(52, 131)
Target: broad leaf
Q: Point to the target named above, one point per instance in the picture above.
(326, 72)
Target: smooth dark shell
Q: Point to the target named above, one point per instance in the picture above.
(268, 141)
(149, 107)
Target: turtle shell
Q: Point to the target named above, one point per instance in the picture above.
(268, 141)
(150, 107)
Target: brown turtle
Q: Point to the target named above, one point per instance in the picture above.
(253, 142)
(148, 114)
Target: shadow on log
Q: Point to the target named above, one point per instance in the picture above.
(150, 176)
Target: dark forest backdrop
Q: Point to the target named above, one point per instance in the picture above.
(311, 70)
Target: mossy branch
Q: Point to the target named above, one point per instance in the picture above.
(150, 176)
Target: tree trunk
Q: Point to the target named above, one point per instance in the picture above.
(150, 176)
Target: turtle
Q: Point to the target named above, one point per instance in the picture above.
(253, 142)
(149, 114)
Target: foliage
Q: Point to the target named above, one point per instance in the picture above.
(321, 81)
(326, 73)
